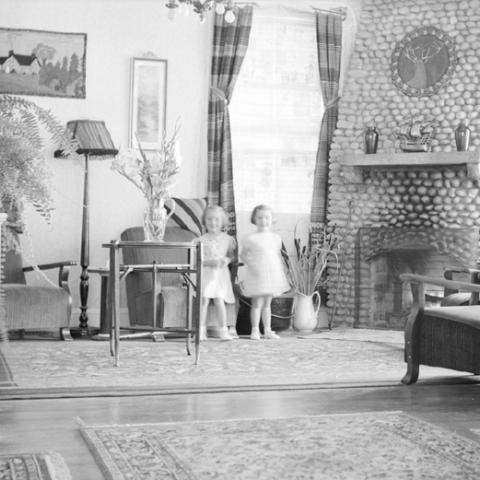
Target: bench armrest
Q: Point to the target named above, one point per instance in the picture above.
(415, 279)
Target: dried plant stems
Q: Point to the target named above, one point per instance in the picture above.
(308, 264)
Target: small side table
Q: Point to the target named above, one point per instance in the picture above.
(191, 272)
(105, 324)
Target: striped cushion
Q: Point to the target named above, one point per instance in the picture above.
(188, 214)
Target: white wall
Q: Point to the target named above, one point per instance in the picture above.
(117, 30)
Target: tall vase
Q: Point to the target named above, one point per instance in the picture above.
(155, 219)
(371, 139)
(306, 310)
(462, 137)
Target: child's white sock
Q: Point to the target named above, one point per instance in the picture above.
(203, 333)
(255, 335)
(270, 335)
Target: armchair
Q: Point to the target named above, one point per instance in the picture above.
(33, 307)
(445, 336)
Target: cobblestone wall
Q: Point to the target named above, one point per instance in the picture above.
(418, 198)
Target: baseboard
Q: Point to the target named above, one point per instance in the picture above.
(94, 317)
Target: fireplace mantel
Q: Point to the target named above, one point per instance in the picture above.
(353, 164)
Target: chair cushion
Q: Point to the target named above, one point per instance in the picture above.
(468, 314)
(188, 214)
(456, 299)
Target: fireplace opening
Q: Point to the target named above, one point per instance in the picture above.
(383, 254)
(391, 299)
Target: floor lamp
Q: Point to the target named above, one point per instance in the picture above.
(93, 140)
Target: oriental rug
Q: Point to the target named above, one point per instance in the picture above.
(33, 466)
(84, 367)
(387, 445)
(6, 379)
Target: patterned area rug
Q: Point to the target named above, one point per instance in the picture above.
(387, 445)
(6, 378)
(360, 335)
(33, 466)
(164, 366)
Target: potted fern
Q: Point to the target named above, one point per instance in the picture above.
(24, 174)
(307, 270)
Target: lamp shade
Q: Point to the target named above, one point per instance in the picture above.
(92, 137)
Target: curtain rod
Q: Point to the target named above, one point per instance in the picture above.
(340, 11)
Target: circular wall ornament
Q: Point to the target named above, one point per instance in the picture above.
(423, 62)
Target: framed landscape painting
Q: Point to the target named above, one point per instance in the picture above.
(148, 101)
(38, 62)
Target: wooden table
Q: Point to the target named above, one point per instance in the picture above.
(191, 272)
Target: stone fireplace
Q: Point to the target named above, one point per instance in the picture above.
(382, 300)
(435, 194)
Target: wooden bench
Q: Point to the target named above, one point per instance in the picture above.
(445, 336)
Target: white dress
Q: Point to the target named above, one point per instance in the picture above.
(265, 271)
(216, 280)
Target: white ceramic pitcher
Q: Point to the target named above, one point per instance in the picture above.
(306, 311)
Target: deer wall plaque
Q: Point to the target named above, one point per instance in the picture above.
(423, 62)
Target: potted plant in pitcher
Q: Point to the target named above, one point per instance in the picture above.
(307, 270)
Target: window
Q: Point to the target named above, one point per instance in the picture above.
(276, 112)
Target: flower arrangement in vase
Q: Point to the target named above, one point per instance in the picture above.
(153, 173)
(307, 271)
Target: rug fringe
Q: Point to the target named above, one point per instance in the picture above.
(79, 421)
(57, 468)
(86, 428)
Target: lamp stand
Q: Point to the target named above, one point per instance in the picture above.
(84, 254)
(93, 140)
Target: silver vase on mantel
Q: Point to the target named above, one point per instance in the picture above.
(462, 136)
(371, 139)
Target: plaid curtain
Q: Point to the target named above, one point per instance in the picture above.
(329, 50)
(230, 44)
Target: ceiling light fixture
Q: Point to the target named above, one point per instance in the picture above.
(201, 7)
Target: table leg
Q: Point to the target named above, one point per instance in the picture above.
(198, 299)
(109, 313)
(188, 281)
(105, 320)
(115, 280)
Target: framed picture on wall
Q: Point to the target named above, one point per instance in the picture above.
(148, 101)
(39, 62)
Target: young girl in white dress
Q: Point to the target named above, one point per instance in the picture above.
(265, 275)
(218, 253)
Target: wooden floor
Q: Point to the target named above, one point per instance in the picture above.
(42, 425)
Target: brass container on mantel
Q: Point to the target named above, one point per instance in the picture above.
(462, 136)
(371, 139)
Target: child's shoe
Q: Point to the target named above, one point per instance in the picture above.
(224, 334)
(233, 333)
(255, 335)
(202, 334)
(270, 335)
